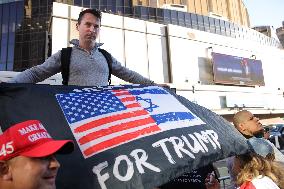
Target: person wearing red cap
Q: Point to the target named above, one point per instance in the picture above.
(27, 158)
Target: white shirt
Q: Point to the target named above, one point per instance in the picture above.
(263, 182)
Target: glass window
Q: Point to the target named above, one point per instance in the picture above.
(10, 57)
(222, 26)
(167, 16)
(160, 15)
(12, 18)
(103, 5)
(36, 3)
(187, 20)
(217, 25)
(227, 28)
(212, 25)
(95, 4)
(2, 66)
(236, 30)
(78, 2)
(206, 23)
(232, 28)
(194, 20)
(111, 5)
(35, 11)
(26, 37)
(10, 66)
(174, 19)
(119, 7)
(20, 13)
(152, 14)
(50, 2)
(0, 22)
(200, 23)
(86, 3)
(241, 33)
(127, 3)
(43, 11)
(4, 37)
(4, 45)
(128, 8)
(137, 12)
(144, 13)
(181, 20)
(18, 51)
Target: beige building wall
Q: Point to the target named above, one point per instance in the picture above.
(231, 10)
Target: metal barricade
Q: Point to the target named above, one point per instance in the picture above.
(224, 182)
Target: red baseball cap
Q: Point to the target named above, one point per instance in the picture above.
(31, 139)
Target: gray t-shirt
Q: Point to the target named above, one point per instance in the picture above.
(86, 69)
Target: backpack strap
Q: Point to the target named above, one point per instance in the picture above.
(65, 64)
(108, 58)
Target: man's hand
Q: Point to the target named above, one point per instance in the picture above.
(163, 85)
(211, 182)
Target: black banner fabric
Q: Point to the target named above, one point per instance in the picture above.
(129, 136)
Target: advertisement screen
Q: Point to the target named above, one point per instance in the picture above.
(235, 70)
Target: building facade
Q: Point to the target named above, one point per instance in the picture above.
(280, 34)
(231, 10)
(26, 33)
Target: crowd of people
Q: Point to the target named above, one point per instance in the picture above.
(32, 165)
(261, 168)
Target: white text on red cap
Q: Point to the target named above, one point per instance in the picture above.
(31, 128)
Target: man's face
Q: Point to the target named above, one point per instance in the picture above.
(250, 124)
(88, 28)
(34, 173)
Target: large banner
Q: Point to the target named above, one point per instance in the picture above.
(237, 70)
(125, 136)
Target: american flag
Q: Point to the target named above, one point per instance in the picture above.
(103, 119)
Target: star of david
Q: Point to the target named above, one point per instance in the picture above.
(148, 101)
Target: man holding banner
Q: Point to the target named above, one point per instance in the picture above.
(87, 65)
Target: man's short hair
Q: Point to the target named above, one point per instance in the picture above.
(97, 13)
(238, 117)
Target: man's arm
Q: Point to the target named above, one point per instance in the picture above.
(40, 72)
(128, 75)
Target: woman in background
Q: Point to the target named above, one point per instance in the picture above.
(256, 169)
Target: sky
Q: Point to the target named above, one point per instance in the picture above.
(265, 12)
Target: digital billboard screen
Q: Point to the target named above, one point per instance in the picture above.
(236, 70)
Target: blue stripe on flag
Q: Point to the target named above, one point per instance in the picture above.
(172, 116)
(148, 91)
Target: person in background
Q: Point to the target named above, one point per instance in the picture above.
(256, 169)
(27, 156)
(249, 126)
(88, 66)
(266, 133)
